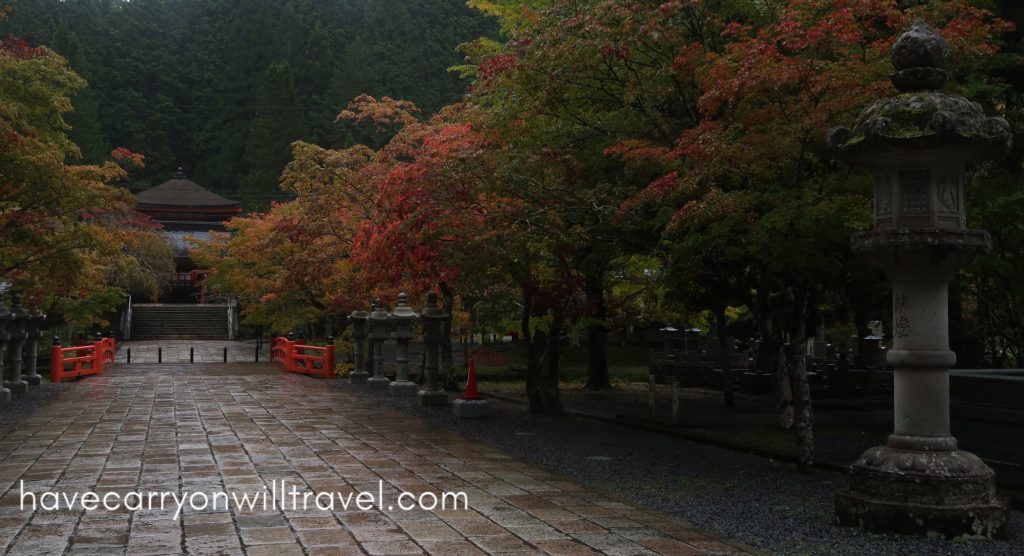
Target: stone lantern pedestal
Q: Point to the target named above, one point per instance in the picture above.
(5, 346)
(918, 144)
(18, 330)
(402, 319)
(432, 316)
(359, 374)
(377, 323)
(32, 348)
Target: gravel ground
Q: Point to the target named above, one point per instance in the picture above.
(23, 405)
(747, 498)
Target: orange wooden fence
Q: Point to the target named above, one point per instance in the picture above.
(297, 357)
(80, 360)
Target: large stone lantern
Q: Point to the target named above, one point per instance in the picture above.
(18, 330)
(35, 321)
(5, 337)
(402, 320)
(919, 144)
(359, 358)
(433, 317)
(377, 326)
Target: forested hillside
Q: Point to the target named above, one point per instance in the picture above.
(222, 87)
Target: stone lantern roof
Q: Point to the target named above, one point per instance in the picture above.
(921, 117)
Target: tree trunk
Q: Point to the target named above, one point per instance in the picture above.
(783, 390)
(804, 418)
(723, 346)
(597, 334)
(542, 367)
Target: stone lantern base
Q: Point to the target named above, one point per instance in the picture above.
(470, 409)
(951, 494)
(358, 377)
(433, 398)
(403, 388)
(378, 382)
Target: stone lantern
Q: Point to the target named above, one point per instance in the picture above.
(402, 319)
(359, 373)
(918, 144)
(5, 337)
(432, 316)
(377, 325)
(18, 330)
(35, 321)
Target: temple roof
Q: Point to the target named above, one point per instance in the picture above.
(181, 192)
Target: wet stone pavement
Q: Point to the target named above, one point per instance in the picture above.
(245, 428)
(183, 351)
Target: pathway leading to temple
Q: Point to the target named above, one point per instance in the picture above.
(247, 428)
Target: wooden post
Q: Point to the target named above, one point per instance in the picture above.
(56, 361)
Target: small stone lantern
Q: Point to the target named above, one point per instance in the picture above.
(918, 144)
(359, 373)
(18, 330)
(402, 319)
(432, 316)
(35, 322)
(5, 337)
(377, 325)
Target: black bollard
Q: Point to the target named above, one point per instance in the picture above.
(191, 355)
(128, 356)
(225, 355)
(257, 353)
(159, 355)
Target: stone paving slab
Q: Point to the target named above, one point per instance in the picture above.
(177, 351)
(245, 429)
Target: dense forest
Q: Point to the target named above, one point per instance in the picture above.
(222, 87)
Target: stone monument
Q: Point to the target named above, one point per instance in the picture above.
(377, 325)
(919, 144)
(402, 319)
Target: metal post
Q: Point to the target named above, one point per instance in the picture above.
(128, 356)
(675, 399)
(225, 355)
(159, 355)
(191, 354)
(257, 352)
(650, 394)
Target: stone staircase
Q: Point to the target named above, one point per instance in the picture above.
(160, 321)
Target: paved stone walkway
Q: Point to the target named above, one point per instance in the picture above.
(177, 351)
(242, 428)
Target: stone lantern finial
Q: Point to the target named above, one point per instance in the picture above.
(919, 57)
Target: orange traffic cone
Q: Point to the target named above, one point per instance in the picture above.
(471, 392)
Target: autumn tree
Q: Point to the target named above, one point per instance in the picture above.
(67, 236)
(755, 170)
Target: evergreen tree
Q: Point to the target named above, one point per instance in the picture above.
(86, 130)
(279, 121)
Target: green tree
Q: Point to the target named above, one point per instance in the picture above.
(279, 121)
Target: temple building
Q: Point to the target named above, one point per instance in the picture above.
(186, 209)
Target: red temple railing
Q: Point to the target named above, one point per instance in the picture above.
(298, 357)
(80, 360)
